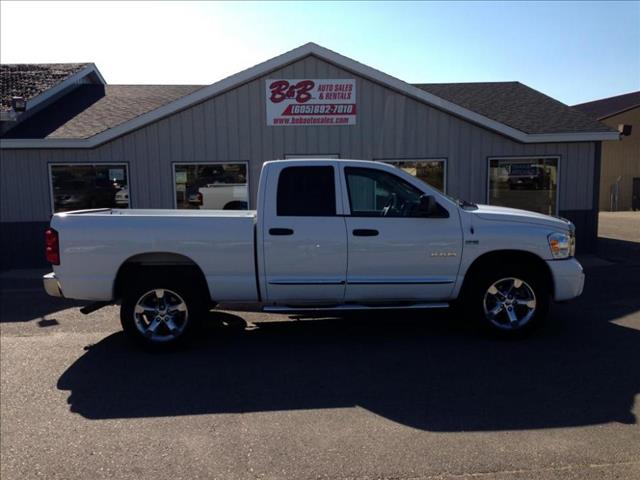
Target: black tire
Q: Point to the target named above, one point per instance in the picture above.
(478, 299)
(177, 288)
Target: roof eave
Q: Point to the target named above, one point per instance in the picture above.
(94, 141)
(618, 112)
(50, 93)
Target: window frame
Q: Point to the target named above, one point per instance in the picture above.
(173, 178)
(303, 156)
(84, 164)
(558, 159)
(348, 192)
(336, 192)
(444, 160)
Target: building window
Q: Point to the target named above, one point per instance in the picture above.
(82, 186)
(306, 192)
(211, 186)
(528, 183)
(432, 172)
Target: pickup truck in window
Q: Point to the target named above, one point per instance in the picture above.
(327, 235)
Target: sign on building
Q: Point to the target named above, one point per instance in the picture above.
(304, 102)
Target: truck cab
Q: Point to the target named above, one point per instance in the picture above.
(351, 231)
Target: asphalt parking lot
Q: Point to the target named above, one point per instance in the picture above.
(389, 396)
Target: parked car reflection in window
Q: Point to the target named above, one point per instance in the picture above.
(78, 187)
(220, 186)
(528, 183)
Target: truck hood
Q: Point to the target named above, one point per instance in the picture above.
(504, 214)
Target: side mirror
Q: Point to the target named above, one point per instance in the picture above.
(428, 206)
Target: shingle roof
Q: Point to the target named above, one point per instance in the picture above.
(608, 107)
(511, 109)
(91, 109)
(517, 106)
(30, 80)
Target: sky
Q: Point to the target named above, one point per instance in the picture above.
(572, 51)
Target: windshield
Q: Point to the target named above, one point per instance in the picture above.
(523, 169)
(464, 204)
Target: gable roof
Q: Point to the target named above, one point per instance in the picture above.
(92, 109)
(311, 49)
(34, 82)
(607, 107)
(516, 105)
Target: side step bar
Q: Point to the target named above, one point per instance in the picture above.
(353, 307)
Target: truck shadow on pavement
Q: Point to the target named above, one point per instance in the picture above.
(431, 372)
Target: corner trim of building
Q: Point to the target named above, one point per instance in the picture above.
(597, 171)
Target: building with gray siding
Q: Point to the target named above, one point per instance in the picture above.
(93, 145)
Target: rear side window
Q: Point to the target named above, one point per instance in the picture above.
(306, 192)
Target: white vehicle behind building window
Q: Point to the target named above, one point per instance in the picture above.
(211, 186)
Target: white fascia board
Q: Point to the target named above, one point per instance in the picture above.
(24, 143)
(72, 80)
(572, 137)
(94, 69)
(290, 57)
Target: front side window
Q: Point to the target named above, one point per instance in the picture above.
(376, 193)
(431, 172)
(79, 187)
(306, 192)
(211, 186)
(526, 183)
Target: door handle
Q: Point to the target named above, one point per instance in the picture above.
(280, 231)
(365, 232)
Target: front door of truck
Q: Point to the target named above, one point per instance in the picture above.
(304, 237)
(395, 252)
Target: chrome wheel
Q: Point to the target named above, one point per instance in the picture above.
(509, 303)
(161, 315)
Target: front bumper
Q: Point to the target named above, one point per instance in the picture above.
(51, 285)
(568, 278)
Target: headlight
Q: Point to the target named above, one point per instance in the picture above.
(562, 245)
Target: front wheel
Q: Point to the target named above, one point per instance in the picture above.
(510, 303)
(160, 314)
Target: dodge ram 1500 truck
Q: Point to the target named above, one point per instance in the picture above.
(327, 235)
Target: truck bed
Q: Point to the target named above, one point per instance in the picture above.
(94, 244)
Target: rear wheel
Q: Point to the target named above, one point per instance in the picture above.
(160, 312)
(511, 302)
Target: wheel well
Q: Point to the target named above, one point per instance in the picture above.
(150, 263)
(509, 257)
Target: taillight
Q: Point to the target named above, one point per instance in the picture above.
(199, 197)
(52, 246)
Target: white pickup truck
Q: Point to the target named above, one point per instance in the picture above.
(327, 235)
